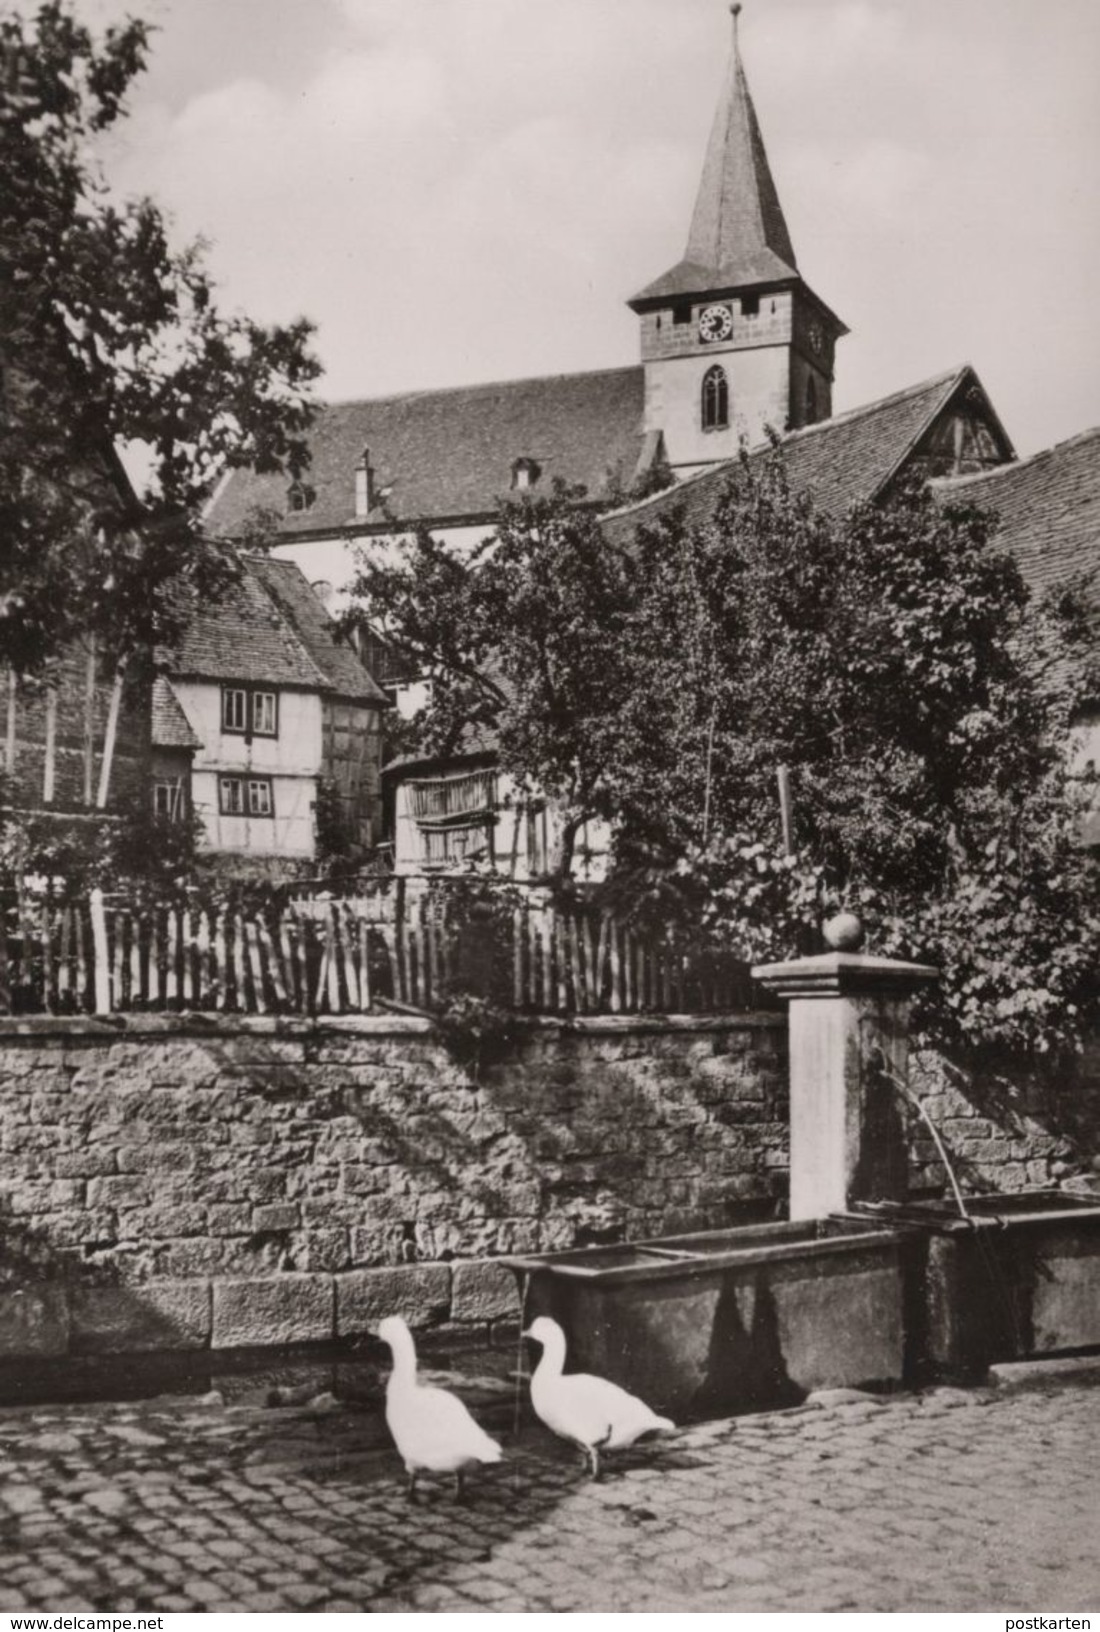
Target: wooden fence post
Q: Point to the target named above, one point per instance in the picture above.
(100, 955)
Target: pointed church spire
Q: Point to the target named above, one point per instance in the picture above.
(738, 229)
(733, 340)
(738, 235)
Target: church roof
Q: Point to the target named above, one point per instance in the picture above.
(842, 461)
(449, 455)
(738, 233)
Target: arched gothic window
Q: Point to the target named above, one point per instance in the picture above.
(811, 400)
(716, 400)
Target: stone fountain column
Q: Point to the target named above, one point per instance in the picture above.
(849, 1036)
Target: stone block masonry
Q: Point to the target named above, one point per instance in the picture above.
(181, 1183)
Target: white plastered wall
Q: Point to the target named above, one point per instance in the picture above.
(292, 760)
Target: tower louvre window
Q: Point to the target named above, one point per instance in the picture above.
(811, 400)
(750, 305)
(681, 312)
(716, 400)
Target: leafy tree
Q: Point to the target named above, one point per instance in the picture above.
(893, 660)
(922, 699)
(110, 336)
(525, 637)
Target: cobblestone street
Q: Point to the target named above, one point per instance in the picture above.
(949, 1500)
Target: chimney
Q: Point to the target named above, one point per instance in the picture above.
(364, 485)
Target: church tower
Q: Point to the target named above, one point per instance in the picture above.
(733, 340)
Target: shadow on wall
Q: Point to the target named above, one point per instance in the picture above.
(392, 1153)
(177, 1188)
(1007, 1125)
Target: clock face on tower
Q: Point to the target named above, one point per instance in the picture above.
(715, 323)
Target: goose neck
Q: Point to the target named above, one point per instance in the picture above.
(552, 1360)
(403, 1351)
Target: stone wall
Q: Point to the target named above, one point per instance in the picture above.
(169, 1184)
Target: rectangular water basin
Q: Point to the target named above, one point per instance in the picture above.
(1018, 1277)
(729, 1320)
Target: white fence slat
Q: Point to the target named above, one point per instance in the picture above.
(100, 954)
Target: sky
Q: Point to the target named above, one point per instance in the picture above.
(465, 190)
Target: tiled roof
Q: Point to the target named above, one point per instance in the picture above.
(258, 635)
(170, 727)
(243, 636)
(841, 461)
(1048, 505)
(479, 742)
(738, 234)
(344, 674)
(689, 277)
(436, 454)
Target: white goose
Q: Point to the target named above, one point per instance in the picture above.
(593, 1413)
(432, 1429)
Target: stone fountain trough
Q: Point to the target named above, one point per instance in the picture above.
(730, 1320)
(1017, 1277)
(862, 1286)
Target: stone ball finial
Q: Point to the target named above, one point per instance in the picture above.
(844, 933)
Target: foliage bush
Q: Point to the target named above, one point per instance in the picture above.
(892, 660)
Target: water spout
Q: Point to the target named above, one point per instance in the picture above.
(914, 1099)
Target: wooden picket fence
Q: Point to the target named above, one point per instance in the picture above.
(328, 956)
(99, 957)
(581, 962)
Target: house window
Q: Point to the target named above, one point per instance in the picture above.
(525, 473)
(265, 714)
(260, 802)
(298, 497)
(234, 709)
(168, 798)
(250, 713)
(245, 796)
(716, 400)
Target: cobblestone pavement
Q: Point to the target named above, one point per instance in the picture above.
(974, 1500)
